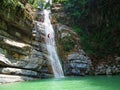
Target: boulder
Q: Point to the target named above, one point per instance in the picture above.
(13, 78)
(105, 69)
(77, 64)
(16, 71)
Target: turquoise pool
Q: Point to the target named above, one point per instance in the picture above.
(68, 83)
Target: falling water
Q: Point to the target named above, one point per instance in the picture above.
(51, 47)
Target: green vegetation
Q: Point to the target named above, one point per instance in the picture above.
(97, 23)
(31, 1)
(59, 1)
(39, 3)
(76, 9)
(67, 43)
(35, 3)
(99, 43)
(10, 4)
(13, 6)
(15, 11)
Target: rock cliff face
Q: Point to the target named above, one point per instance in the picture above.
(23, 53)
(19, 58)
(75, 61)
(73, 58)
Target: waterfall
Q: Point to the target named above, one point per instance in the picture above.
(50, 43)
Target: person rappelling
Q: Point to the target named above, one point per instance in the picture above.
(50, 39)
(48, 35)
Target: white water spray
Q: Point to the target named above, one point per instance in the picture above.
(50, 42)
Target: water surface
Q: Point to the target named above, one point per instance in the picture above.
(68, 83)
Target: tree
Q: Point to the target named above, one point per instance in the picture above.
(99, 25)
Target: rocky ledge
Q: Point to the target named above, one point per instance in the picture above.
(74, 59)
(21, 56)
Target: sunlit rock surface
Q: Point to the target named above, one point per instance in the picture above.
(22, 56)
(74, 59)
